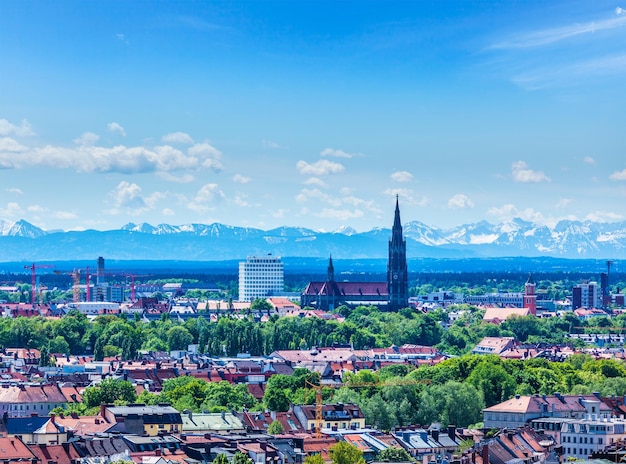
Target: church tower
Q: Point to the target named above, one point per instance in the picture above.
(397, 274)
(530, 299)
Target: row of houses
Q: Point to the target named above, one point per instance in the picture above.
(161, 435)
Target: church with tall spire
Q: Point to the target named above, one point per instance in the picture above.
(390, 295)
(397, 271)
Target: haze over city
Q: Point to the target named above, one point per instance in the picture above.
(313, 114)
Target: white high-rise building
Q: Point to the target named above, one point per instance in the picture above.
(260, 277)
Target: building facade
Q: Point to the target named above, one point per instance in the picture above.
(586, 295)
(261, 277)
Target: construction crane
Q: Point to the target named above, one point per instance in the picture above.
(319, 405)
(75, 275)
(33, 281)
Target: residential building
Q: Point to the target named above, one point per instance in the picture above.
(144, 420)
(25, 400)
(494, 345)
(582, 437)
(586, 295)
(520, 410)
(334, 416)
(260, 277)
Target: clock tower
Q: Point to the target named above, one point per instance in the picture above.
(397, 273)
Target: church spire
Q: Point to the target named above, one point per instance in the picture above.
(396, 220)
(331, 270)
(397, 272)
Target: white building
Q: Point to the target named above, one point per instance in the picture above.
(586, 295)
(260, 277)
(580, 438)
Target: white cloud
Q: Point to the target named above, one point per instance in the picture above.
(521, 173)
(604, 216)
(182, 179)
(64, 215)
(408, 196)
(7, 144)
(12, 210)
(279, 213)
(116, 128)
(87, 157)
(241, 179)
(315, 181)
(206, 196)
(460, 201)
(319, 168)
(129, 196)
(307, 194)
(178, 137)
(35, 209)
(270, 144)
(589, 160)
(167, 212)
(240, 200)
(509, 211)
(87, 139)
(619, 10)
(23, 130)
(402, 176)
(563, 202)
(338, 153)
(618, 175)
(14, 190)
(553, 35)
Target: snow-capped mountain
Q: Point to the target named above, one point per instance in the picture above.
(568, 239)
(19, 228)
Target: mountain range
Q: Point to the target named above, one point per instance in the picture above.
(22, 241)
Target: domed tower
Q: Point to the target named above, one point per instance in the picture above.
(397, 273)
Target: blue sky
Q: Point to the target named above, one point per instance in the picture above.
(313, 114)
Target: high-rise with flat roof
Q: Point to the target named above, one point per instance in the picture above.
(261, 277)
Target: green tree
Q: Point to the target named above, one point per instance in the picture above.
(275, 428)
(59, 345)
(494, 381)
(221, 459)
(179, 338)
(393, 454)
(314, 459)
(345, 453)
(108, 392)
(241, 458)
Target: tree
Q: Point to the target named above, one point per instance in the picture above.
(109, 391)
(221, 459)
(345, 453)
(275, 428)
(314, 459)
(392, 454)
(179, 338)
(241, 458)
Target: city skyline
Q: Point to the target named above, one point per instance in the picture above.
(312, 114)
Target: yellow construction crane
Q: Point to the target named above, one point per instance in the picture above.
(319, 404)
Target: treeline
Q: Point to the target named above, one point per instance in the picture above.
(363, 327)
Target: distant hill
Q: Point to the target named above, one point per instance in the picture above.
(22, 241)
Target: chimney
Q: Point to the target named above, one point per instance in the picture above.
(452, 431)
(103, 410)
(435, 434)
(485, 453)
(53, 417)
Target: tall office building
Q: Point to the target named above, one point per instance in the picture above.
(260, 277)
(586, 295)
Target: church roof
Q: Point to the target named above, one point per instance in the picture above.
(347, 288)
